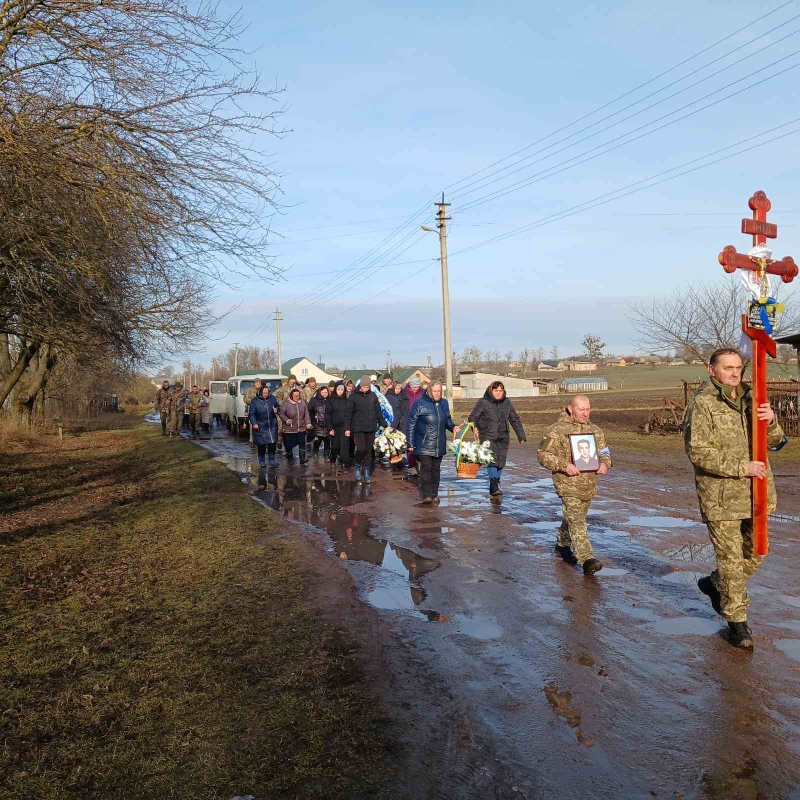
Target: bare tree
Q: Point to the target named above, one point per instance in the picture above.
(525, 359)
(554, 352)
(696, 319)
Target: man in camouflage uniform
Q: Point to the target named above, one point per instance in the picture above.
(282, 394)
(162, 406)
(576, 489)
(177, 401)
(309, 390)
(195, 398)
(716, 433)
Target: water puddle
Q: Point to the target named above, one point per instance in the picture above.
(660, 522)
(790, 600)
(243, 466)
(691, 551)
(784, 518)
(686, 626)
(611, 572)
(683, 577)
(432, 530)
(321, 502)
(479, 626)
(789, 646)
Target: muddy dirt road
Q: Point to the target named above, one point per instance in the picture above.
(522, 677)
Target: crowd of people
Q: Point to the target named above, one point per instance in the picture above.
(341, 420)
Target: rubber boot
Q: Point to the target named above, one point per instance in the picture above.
(367, 474)
(262, 462)
(273, 460)
(357, 472)
(494, 487)
(740, 635)
(706, 586)
(303, 455)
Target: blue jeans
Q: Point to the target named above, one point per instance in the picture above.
(493, 471)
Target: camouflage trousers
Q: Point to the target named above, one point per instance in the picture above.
(164, 422)
(573, 531)
(175, 420)
(194, 422)
(733, 546)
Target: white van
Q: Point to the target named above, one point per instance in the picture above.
(238, 386)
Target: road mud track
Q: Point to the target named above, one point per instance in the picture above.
(512, 675)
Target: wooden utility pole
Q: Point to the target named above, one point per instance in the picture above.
(280, 351)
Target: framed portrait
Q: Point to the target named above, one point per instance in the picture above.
(583, 448)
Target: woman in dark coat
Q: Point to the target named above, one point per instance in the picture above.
(263, 417)
(338, 415)
(428, 423)
(294, 413)
(367, 418)
(316, 410)
(396, 397)
(493, 417)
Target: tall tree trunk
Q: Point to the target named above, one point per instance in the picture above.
(26, 355)
(35, 383)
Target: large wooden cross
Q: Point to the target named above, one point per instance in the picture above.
(763, 345)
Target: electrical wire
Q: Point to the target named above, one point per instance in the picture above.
(483, 182)
(553, 170)
(622, 96)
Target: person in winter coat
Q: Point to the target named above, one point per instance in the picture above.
(162, 406)
(367, 418)
(316, 410)
(263, 416)
(428, 423)
(338, 416)
(205, 411)
(397, 399)
(493, 417)
(575, 488)
(294, 415)
(413, 392)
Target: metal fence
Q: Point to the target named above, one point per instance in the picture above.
(783, 395)
(83, 408)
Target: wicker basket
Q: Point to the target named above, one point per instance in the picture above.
(395, 459)
(467, 470)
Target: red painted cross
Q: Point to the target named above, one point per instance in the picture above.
(763, 345)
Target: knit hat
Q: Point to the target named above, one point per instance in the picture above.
(414, 382)
(365, 380)
(293, 376)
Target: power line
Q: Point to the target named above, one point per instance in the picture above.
(599, 200)
(483, 182)
(622, 96)
(549, 172)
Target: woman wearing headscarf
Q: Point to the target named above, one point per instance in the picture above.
(316, 410)
(493, 417)
(413, 392)
(367, 418)
(428, 423)
(338, 415)
(263, 416)
(294, 414)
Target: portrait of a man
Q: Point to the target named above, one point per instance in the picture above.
(584, 452)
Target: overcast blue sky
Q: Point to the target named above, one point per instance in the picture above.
(389, 104)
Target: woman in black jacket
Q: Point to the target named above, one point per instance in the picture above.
(316, 410)
(338, 416)
(367, 418)
(493, 417)
(397, 399)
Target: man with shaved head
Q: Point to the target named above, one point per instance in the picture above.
(575, 488)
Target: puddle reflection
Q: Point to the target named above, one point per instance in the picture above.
(322, 502)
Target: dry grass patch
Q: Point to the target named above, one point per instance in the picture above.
(152, 648)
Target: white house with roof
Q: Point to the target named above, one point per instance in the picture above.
(304, 368)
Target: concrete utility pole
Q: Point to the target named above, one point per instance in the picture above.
(441, 224)
(236, 358)
(280, 351)
(388, 360)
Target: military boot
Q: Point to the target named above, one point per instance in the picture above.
(740, 635)
(591, 565)
(567, 554)
(706, 586)
(494, 487)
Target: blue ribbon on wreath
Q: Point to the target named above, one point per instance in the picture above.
(768, 307)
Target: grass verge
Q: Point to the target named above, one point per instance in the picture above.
(158, 641)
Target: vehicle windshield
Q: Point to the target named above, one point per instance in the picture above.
(219, 388)
(244, 387)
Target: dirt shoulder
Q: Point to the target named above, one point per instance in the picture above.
(163, 636)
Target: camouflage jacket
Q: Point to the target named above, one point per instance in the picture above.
(716, 433)
(282, 394)
(162, 400)
(194, 402)
(251, 393)
(307, 392)
(555, 454)
(177, 399)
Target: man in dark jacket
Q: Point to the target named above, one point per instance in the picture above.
(493, 417)
(367, 418)
(338, 417)
(428, 423)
